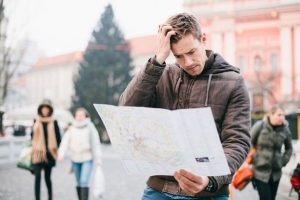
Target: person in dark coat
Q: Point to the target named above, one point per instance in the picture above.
(269, 136)
(45, 142)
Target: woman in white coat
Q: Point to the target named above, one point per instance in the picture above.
(82, 139)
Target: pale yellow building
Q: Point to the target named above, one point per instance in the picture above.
(52, 78)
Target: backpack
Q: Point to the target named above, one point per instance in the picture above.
(295, 179)
(244, 174)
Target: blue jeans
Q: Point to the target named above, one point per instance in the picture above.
(83, 172)
(151, 194)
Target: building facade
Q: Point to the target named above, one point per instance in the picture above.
(52, 78)
(262, 38)
(143, 48)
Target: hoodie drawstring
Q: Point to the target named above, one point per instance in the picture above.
(207, 90)
(176, 92)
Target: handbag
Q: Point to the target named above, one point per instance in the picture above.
(24, 160)
(244, 174)
(99, 183)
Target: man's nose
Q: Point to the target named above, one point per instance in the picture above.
(188, 61)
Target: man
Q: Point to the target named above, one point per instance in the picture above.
(200, 78)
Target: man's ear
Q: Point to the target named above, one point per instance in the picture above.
(203, 38)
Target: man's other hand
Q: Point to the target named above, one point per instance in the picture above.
(165, 31)
(189, 182)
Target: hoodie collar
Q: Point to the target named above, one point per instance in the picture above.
(210, 60)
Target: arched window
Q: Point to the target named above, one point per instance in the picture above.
(257, 63)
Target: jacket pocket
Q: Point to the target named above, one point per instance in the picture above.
(260, 161)
(277, 163)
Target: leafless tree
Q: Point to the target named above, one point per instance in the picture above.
(10, 55)
(264, 85)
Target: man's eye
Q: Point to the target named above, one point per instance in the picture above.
(178, 56)
(191, 52)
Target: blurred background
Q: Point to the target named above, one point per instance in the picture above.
(76, 53)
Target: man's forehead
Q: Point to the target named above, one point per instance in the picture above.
(183, 48)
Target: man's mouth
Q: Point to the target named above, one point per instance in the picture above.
(193, 67)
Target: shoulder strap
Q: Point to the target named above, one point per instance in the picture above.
(259, 130)
(261, 127)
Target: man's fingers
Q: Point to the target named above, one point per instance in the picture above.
(186, 184)
(161, 26)
(190, 176)
(164, 28)
(170, 33)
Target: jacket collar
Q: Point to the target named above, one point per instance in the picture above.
(210, 60)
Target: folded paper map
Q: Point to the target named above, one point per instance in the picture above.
(157, 141)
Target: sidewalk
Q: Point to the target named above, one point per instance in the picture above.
(284, 186)
(18, 184)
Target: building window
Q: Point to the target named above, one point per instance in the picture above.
(258, 102)
(257, 63)
(274, 62)
(242, 64)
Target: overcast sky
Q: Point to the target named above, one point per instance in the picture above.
(63, 26)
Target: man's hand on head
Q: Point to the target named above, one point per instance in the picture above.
(189, 182)
(165, 31)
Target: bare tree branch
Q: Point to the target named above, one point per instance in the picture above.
(11, 55)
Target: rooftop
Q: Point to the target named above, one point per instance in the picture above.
(143, 45)
(58, 60)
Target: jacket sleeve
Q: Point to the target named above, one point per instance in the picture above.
(141, 90)
(57, 133)
(288, 148)
(96, 144)
(64, 144)
(235, 134)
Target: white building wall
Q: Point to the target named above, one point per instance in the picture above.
(54, 83)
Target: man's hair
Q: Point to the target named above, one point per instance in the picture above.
(183, 24)
(275, 108)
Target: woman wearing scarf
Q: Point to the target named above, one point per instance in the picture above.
(45, 142)
(83, 140)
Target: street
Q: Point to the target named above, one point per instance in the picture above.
(18, 184)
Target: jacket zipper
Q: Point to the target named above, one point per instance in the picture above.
(188, 92)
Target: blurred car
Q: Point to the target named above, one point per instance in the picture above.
(19, 130)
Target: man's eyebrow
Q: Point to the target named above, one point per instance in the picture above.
(193, 49)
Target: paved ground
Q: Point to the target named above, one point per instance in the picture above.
(17, 184)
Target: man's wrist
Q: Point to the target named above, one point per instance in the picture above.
(211, 187)
(156, 62)
(159, 60)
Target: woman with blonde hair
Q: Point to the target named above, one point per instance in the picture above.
(268, 136)
(45, 142)
(82, 139)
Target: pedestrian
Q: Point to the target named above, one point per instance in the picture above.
(82, 139)
(199, 78)
(45, 142)
(268, 136)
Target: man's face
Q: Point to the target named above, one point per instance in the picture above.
(277, 118)
(190, 53)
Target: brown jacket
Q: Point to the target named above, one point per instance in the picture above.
(219, 86)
